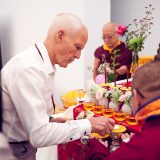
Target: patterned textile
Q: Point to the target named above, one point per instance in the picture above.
(152, 108)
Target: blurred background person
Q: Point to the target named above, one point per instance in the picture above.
(104, 53)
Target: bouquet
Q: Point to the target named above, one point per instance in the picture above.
(115, 95)
(95, 92)
(136, 33)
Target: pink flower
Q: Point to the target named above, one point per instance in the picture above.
(121, 29)
(100, 79)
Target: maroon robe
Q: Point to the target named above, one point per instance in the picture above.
(125, 57)
(143, 146)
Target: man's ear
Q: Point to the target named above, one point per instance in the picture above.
(60, 35)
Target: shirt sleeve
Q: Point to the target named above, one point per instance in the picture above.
(27, 94)
(57, 133)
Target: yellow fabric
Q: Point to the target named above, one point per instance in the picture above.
(142, 60)
(151, 109)
(105, 47)
(145, 59)
(70, 98)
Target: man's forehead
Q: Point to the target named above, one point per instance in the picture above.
(108, 31)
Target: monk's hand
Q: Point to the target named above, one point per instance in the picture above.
(122, 70)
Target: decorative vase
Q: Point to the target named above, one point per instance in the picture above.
(114, 105)
(134, 68)
(103, 101)
(126, 108)
(135, 59)
(91, 99)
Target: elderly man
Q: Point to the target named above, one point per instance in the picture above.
(27, 85)
(104, 53)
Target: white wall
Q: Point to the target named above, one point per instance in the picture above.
(97, 13)
(29, 20)
(124, 11)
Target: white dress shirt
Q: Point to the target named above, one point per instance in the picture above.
(27, 86)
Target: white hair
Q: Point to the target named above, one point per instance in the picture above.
(67, 21)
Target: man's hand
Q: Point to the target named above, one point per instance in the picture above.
(122, 70)
(102, 125)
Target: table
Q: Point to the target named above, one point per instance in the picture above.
(75, 150)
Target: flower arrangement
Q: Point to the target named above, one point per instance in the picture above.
(115, 95)
(136, 33)
(108, 70)
(125, 97)
(100, 93)
(95, 91)
(104, 66)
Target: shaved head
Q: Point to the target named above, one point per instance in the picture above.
(110, 27)
(110, 35)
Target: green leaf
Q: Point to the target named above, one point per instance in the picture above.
(111, 78)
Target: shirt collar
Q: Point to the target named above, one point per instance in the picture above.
(50, 68)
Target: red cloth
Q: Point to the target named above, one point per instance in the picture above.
(75, 150)
(124, 84)
(94, 150)
(77, 110)
(131, 128)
